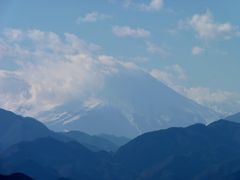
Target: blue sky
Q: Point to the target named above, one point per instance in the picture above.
(190, 46)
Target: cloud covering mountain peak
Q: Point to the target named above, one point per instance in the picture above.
(50, 70)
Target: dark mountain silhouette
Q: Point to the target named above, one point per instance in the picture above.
(180, 153)
(197, 152)
(48, 158)
(15, 176)
(228, 170)
(15, 128)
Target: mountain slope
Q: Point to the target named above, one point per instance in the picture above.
(234, 118)
(130, 103)
(47, 158)
(15, 128)
(197, 152)
(94, 143)
(115, 139)
(180, 153)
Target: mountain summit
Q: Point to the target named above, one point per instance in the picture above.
(130, 103)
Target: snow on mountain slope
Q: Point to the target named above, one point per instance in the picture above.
(131, 102)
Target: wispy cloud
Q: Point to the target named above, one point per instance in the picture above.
(126, 31)
(155, 49)
(196, 51)
(170, 75)
(13, 34)
(225, 102)
(153, 5)
(207, 28)
(53, 70)
(93, 17)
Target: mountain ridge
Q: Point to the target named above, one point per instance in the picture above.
(130, 103)
(234, 117)
(203, 149)
(15, 128)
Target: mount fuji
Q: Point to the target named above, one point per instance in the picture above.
(131, 102)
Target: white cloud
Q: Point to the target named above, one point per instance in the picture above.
(155, 49)
(108, 60)
(124, 31)
(13, 91)
(13, 34)
(93, 17)
(196, 50)
(53, 69)
(170, 75)
(221, 101)
(207, 28)
(56, 69)
(204, 95)
(153, 5)
(49, 83)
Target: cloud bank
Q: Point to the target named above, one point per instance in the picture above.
(50, 70)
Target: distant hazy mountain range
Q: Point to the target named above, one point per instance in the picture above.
(196, 152)
(130, 103)
(15, 129)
